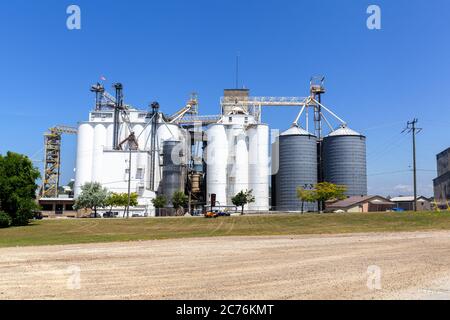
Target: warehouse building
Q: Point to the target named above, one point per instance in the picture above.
(406, 203)
(442, 182)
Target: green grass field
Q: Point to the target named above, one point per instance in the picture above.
(50, 232)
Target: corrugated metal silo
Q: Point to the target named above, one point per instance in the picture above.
(173, 177)
(297, 167)
(164, 132)
(344, 159)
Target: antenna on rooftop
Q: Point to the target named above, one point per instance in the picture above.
(237, 70)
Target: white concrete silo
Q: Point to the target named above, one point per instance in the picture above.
(100, 135)
(84, 156)
(137, 129)
(216, 159)
(238, 161)
(109, 136)
(258, 175)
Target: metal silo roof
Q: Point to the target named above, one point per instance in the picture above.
(344, 131)
(295, 131)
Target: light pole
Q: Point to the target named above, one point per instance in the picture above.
(129, 181)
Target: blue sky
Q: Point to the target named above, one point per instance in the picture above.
(377, 80)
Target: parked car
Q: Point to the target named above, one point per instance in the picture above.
(211, 214)
(223, 214)
(110, 214)
(216, 213)
(37, 215)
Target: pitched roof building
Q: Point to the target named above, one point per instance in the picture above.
(361, 204)
(407, 203)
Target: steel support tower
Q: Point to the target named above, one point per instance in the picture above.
(52, 160)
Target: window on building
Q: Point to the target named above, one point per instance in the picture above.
(139, 173)
(47, 207)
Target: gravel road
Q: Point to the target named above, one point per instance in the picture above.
(352, 266)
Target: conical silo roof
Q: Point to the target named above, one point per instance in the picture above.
(344, 131)
(295, 131)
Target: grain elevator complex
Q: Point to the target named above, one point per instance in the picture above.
(211, 158)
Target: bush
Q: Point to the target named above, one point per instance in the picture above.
(25, 212)
(5, 220)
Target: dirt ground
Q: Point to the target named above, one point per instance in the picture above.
(407, 265)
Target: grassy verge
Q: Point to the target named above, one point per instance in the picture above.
(50, 232)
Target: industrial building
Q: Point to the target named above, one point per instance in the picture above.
(212, 157)
(127, 149)
(442, 182)
(406, 203)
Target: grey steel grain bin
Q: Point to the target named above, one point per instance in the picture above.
(173, 175)
(344, 160)
(297, 167)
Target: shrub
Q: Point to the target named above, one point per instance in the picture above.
(5, 220)
(25, 212)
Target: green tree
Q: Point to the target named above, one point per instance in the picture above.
(243, 198)
(133, 200)
(329, 191)
(5, 220)
(113, 200)
(179, 200)
(93, 196)
(306, 196)
(121, 200)
(159, 202)
(18, 187)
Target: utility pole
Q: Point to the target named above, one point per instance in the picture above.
(129, 180)
(411, 128)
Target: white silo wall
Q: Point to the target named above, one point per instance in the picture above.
(137, 129)
(109, 136)
(144, 138)
(84, 156)
(240, 166)
(99, 144)
(259, 166)
(216, 158)
(124, 132)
